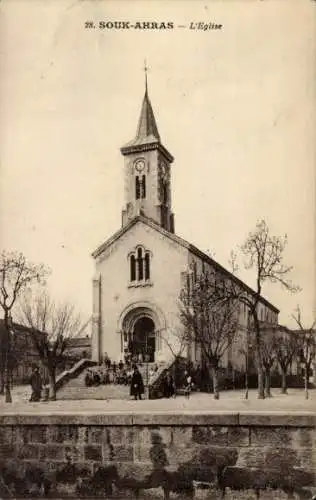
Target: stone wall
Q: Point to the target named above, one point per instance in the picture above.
(263, 455)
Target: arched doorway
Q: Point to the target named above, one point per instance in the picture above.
(141, 324)
(144, 338)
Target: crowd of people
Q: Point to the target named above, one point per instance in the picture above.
(108, 376)
(127, 374)
(110, 372)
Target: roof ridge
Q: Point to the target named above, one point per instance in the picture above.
(181, 241)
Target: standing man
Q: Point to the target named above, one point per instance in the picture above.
(168, 386)
(36, 384)
(137, 384)
(188, 386)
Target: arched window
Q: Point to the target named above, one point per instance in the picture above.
(137, 188)
(133, 267)
(143, 187)
(140, 264)
(139, 261)
(140, 187)
(165, 193)
(147, 266)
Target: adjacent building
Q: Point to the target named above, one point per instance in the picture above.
(23, 352)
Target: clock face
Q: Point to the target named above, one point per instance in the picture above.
(139, 165)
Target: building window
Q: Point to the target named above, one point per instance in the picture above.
(165, 193)
(143, 187)
(137, 188)
(140, 187)
(194, 274)
(147, 266)
(133, 267)
(139, 265)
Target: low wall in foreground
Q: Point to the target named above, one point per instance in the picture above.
(269, 455)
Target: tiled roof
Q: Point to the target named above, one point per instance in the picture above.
(76, 342)
(265, 325)
(19, 328)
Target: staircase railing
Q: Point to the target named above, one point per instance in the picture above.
(73, 372)
(172, 367)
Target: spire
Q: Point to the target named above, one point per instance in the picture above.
(147, 136)
(147, 125)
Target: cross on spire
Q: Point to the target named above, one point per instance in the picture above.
(146, 71)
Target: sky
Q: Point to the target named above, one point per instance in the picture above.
(236, 108)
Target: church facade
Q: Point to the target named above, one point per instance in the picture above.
(140, 270)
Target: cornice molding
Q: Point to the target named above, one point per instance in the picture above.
(138, 148)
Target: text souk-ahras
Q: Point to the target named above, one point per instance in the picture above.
(154, 25)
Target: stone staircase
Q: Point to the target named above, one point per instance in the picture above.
(76, 370)
(174, 367)
(144, 371)
(77, 389)
(74, 387)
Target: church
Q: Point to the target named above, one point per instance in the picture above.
(135, 300)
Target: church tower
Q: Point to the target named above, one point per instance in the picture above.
(147, 172)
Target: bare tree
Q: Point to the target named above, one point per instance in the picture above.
(52, 325)
(176, 349)
(263, 253)
(306, 338)
(8, 358)
(286, 347)
(16, 275)
(209, 321)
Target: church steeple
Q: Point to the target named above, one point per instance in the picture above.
(147, 171)
(147, 126)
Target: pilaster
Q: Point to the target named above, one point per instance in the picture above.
(96, 319)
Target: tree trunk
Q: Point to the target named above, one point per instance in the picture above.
(175, 371)
(246, 383)
(260, 383)
(215, 382)
(284, 384)
(2, 382)
(306, 380)
(52, 385)
(259, 359)
(8, 397)
(267, 384)
(7, 380)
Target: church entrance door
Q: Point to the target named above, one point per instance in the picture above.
(144, 341)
